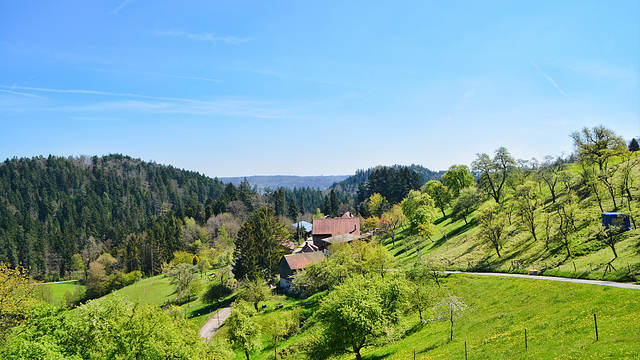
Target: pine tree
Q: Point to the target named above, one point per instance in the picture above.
(335, 203)
(633, 145)
(258, 250)
(293, 210)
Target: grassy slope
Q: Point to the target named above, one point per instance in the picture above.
(155, 290)
(456, 245)
(159, 291)
(558, 316)
(55, 292)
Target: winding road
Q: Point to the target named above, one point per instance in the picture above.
(552, 278)
(214, 323)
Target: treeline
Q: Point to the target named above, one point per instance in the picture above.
(352, 183)
(54, 208)
(51, 207)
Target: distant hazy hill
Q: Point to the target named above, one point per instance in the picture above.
(287, 181)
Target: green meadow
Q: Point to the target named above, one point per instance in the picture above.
(558, 318)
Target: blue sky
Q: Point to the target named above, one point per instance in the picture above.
(235, 88)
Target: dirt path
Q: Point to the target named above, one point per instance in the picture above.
(214, 323)
(552, 278)
(57, 282)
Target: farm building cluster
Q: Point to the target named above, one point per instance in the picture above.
(320, 235)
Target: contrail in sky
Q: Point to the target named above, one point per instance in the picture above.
(122, 5)
(550, 80)
(93, 92)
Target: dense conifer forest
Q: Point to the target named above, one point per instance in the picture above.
(52, 208)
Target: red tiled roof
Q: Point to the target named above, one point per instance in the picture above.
(290, 245)
(301, 260)
(337, 226)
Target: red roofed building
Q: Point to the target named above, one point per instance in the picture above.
(294, 262)
(325, 228)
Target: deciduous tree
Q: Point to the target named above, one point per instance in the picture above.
(549, 172)
(182, 276)
(254, 291)
(451, 308)
(16, 297)
(567, 215)
(439, 193)
(526, 198)
(494, 172)
(422, 294)
(598, 145)
(419, 210)
(492, 222)
(360, 312)
(457, 178)
(378, 205)
(110, 328)
(466, 202)
(394, 219)
(244, 332)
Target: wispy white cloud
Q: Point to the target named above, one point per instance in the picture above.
(206, 37)
(154, 73)
(247, 109)
(121, 6)
(19, 93)
(550, 80)
(94, 92)
(169, 105)
(96, 119)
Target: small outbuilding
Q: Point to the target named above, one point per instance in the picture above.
(290, 264)
(620, 222)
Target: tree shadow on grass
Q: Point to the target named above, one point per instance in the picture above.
(470, 249)
(440, 242)
(205, 310)
(400, 252)
(433, 347)
(461, 229)
(440, 220)
(414, 329)
(377, 357)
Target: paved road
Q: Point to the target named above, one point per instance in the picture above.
(214, 323)
(553, 278)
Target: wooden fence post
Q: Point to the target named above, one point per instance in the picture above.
(525, 339)
(595, 321)
(465, 350)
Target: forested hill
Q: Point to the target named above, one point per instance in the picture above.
(50, 207)
(289, 182)
(350, 184)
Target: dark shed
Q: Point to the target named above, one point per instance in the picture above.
(620, 221)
